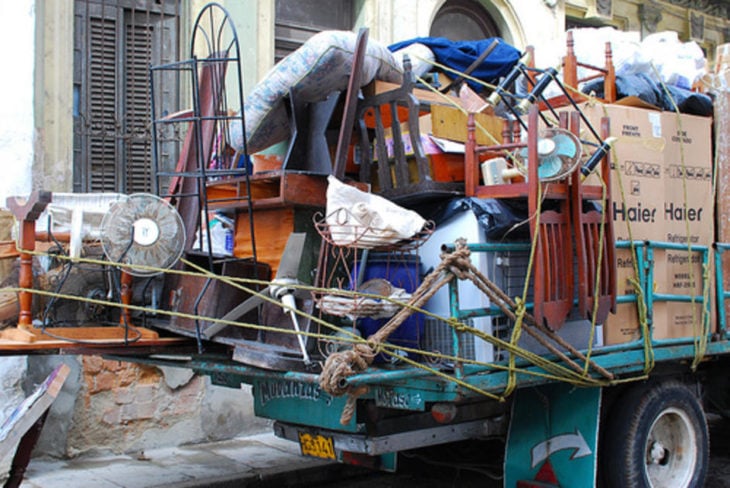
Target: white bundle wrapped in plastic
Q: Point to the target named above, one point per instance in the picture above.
(628, 57)
(422, 58)
(360, 219)
(674, 62)
(677, 63)
(78, 214)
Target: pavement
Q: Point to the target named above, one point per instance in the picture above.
(260, 460)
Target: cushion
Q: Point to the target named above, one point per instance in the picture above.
(322, 65)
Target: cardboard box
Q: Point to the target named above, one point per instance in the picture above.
(688, 204)
(673, 275)
(688, 218)
(637, 176)
(661, 188)
(680, 273)
(622, 326)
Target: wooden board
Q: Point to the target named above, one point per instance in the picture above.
(450, 123)
(26, 341)
(268, 190)
(271, 227)
(8, 250)
(31, 409)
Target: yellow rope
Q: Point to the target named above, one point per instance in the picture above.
(354, 339)
(521, 308)
(641, 309)
(599, 268)
(553, 370)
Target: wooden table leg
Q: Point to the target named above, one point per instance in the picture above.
(27, 211)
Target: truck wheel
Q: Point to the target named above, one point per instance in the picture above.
(656, 436)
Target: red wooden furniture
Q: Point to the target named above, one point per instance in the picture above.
(558, 228)
(571, 65)
(27, 211)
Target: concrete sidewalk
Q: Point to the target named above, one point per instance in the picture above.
(261, 460)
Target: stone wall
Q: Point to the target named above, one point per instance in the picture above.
(121, 407)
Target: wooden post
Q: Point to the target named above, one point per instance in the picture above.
(125, 295)
(570, 64)
(471, 161)
(609, 81)
(27, 211)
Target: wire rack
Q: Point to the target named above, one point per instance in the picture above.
(348, 246)
(343, 230)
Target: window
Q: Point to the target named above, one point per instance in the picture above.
(115, 42)
(463, 20)
(298, 20)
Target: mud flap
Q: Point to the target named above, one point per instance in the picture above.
(553, 437)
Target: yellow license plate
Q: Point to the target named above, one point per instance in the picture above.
(317, 445)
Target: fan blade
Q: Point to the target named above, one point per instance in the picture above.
(288, 270)
(291, 257)
(236, 313)
(564, 146)
(138, 210)
(549, 167)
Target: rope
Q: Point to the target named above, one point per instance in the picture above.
(342, 365)
(350, 338)
(641, 308)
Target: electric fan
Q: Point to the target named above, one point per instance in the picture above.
(143, 230)
(558, 152)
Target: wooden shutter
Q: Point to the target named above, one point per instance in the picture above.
(138, 56)
(100, 117)
(116, 41)
(298, 20)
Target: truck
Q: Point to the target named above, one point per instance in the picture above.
(552, 276)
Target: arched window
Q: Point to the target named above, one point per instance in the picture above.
(463, 20)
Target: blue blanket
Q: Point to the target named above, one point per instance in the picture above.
(459, 55)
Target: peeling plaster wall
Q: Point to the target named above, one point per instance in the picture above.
(17, 27)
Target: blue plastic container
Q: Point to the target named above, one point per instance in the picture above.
(402, 271)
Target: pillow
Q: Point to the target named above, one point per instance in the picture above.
(322, 65)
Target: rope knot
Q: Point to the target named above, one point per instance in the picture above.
(341, 365)
(459, 326)
(520, 306)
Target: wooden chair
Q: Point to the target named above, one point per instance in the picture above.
(594, 255)
(565, 235)
(570, 75)
(571, 65)
(403, 171)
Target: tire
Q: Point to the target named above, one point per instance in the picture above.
(655, 437)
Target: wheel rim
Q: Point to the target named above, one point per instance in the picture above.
(671, 450)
